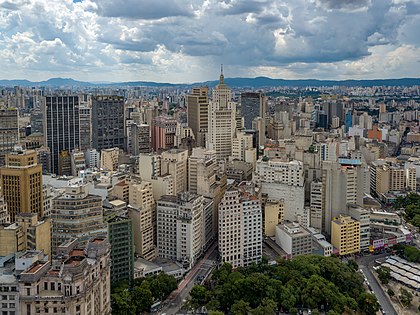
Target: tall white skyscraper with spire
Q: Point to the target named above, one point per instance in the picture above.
(222, 123)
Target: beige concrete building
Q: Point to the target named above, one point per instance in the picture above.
(242, 148)
(36, 234)
(345, 235)
(121, 191)
(150, 170)
(273, 215)
(109, 159)
(27, 233)
(79, 284)
(411, 182)
(181, 228)
(316, 204)
(174, 162)
(294, 239)
(78, 162)
(397, 178)
(142, 211)
(202, 169)
(76, 214)
(222, 121)
(4, 215)
(205, 178)
(197, 113)
(240, 229)
(11, 236)
(21, 182)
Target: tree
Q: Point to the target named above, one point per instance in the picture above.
(412, 254)
(198, 296)
(353, 265)
(121, 303)
(142, 297)
(390, 292)
(216, 313)
(267, 307)
(240, 308)
(368, 304)
(405, 297)
(384, 274)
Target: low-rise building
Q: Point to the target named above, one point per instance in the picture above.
(294, 239)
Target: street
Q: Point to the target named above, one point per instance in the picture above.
(201, 269)
(366, 263)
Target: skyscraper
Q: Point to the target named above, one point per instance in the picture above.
(21, 182)
(9, 131)
(252, 106)
(108, 122)
(120, 235)
(61, 126)
(197, 113)
(222, 121)
(85, 113)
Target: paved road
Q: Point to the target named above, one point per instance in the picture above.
(366, 263)
(203, 269)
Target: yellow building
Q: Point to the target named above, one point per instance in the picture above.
(11, 237)
(411, 181)
(27, 233)
(21, 182)
(273, 216)
(345, 235)
(36, 234)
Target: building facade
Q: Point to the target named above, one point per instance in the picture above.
(345, 235)
(76, 214)
(79, 284)
(21, 182)
(61, 126)
(120, 236)
(240, 229)
(108, 122)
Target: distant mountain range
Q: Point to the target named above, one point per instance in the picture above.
(257, 82)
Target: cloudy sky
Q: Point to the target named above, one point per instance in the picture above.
(187, 40)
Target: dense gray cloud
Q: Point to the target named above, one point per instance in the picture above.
(184, 41)
(145, 9)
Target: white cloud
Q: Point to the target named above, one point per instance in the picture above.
(184, 41)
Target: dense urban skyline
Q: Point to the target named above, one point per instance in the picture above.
(185, 41)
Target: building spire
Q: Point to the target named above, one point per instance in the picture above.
(222, 77)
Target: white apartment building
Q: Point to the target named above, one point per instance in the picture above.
(316, 203)
(240, 229)
(150, 170)
(294, 239)
(142, 211)
(202, 169)
(283, 181)
(180, 228)
(242, 148)
(175, 162)
(363, 216)
(278, 171)
(92, 158)
(109, 159)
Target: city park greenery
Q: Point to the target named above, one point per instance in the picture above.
(140, 296)
(410, 253)
(322, 284)
(411, 205)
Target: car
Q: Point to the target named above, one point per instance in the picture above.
(309, 312)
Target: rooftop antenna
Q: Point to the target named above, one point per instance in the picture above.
(222, 77)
